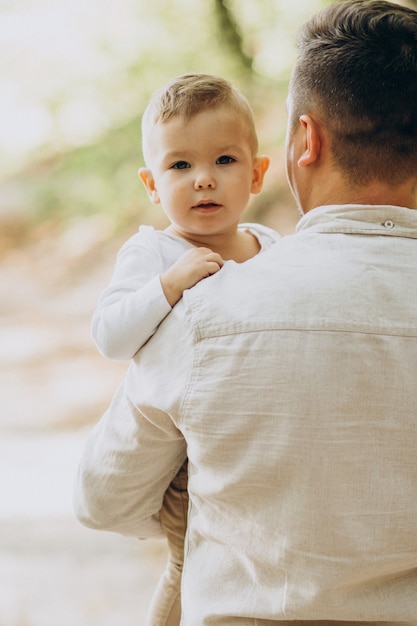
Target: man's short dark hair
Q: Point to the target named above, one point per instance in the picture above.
(357, 72)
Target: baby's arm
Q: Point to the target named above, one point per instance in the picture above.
(191, 267)
(133, 304)
(136, 301)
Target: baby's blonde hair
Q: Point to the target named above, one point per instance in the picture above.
(190, 94)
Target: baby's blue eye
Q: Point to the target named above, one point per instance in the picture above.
(180, 165)
(225, 160)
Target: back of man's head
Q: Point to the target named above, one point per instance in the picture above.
(357, 73)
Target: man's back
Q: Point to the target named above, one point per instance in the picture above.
(304, 488)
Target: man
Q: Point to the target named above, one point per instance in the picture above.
(289, 381)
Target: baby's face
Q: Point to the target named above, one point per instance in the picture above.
(202, 171)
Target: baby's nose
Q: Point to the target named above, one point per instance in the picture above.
(205, 181)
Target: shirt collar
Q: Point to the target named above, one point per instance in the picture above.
(361, 219)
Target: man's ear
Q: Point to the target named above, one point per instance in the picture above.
(260, 167)
(148, 180)
(312, 141)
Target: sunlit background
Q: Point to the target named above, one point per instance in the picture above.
(75, 77)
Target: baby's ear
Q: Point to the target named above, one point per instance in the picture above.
(260, 167)
(148, 180)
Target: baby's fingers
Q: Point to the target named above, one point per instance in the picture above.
(211, 257)
(214, 266)
(216, 258)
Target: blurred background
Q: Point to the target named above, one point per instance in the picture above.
(75, 77)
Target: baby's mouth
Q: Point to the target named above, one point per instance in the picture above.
(206, 205)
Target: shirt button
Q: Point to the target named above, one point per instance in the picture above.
(388, 224)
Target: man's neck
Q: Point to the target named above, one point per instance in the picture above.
(374, 193)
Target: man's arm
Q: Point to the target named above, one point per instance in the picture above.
(136, 448)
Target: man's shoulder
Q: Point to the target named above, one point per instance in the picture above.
(233, 298)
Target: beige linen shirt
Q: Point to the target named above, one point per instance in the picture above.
(290, 383)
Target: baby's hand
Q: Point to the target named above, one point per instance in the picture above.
(191, 267)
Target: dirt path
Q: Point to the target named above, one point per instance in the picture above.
(53, 386)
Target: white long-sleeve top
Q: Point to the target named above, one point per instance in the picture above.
(289, 381)
(134, 304)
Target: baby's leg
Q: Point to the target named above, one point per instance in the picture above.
(165, 609)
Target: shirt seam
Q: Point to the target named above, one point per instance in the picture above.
(205, 334)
